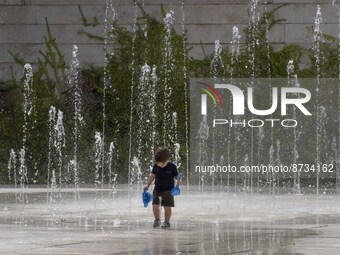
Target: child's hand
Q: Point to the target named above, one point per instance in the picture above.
(179, 182)
(146, 187)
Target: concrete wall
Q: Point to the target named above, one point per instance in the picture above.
(22, 27)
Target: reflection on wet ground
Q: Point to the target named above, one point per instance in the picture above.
(201, 224)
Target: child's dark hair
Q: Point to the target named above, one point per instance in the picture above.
(162, 154)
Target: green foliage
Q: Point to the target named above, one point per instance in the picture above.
(49, 82)
(52, 58)
(85, 21)
(257, 58)
(17, 58)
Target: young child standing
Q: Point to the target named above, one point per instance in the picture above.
(164, 173)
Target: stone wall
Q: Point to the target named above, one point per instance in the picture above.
(22, 27)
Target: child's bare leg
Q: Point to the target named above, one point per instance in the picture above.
(155, 209)
(167, 213)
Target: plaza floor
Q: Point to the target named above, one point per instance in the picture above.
(202, 223)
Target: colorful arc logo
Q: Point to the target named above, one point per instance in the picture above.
(211, 91)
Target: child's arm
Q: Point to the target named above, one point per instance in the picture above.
(150, 181)
(177, 180)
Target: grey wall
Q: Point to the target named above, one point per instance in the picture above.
(23, 24)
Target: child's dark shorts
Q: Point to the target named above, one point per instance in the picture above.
(165, 196)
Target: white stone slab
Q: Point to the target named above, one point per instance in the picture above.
(304, 33)
(30, 52)
(305, 13)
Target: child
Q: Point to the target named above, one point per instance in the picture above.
(163, 172)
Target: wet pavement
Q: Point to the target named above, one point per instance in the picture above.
(202, 223)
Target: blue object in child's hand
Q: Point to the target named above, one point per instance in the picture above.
(146, 197)
(176, 190)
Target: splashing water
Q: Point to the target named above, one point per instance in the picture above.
(52, 122)
(141, 106)
(23, 179)
(12, 168)
(267, 39)
(185, 76)
(296, 130)
(221, 178)
(98, 159)
(177, 158)
(319, 109)
(59, 145)
(217, 65)
(98, 170)
(145, 139)
(133, 73)
(253, 27)
(217, 70)
(28, 109)
(317, 40)
(271, 162)
(168, 67)
(253, 31)
(203, 136)
(169, 20)
(260, 137)
(112, 175)
(152, 104)
(51, 179)
(146, 103)
(137, 176)
(246, 180)
(290, 68)
(28, 90)
(321, 122)
(174, 129)
(56, 143)
(108, 38)
(235, 47)
(278, 162)
(338, 148)
(334, 158)
(78, 119)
